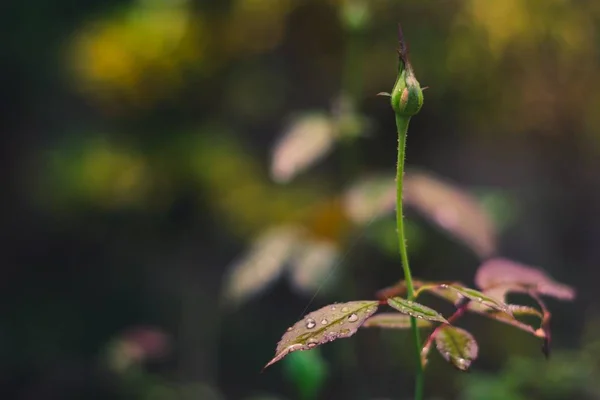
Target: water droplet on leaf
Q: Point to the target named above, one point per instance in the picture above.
(310, 323)
(353, 318)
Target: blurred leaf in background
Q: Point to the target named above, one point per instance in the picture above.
(307, 371)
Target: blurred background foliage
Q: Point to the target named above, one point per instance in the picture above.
(154, 149)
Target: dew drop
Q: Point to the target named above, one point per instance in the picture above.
(461, 363)
(345, 332)
(353, 318)
(324, 321)
(290, 328)
(311, 344)
(345, 309)
(310, 323)
(332, 308)
(444, 286)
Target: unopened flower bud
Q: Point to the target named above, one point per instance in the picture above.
(407, 96)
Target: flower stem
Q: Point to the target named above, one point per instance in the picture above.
(402, 127)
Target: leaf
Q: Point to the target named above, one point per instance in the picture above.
(262, 264)
(397, 289)
(500, 276)
(311, 262)
(393, 320)
(415, 309)
(307, 371)
(434, 288)
(453, 209)
(457, 346)
(307, 139)
(335, 321)
(371, 197)
(440, 289)
(517, 310)
(507, 319)
(478, 297)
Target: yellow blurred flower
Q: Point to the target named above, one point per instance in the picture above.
(139, 55)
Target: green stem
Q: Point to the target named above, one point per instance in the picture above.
(402, 127)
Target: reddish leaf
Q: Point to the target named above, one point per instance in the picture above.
(391, 291)
(499, 276)
(508, 319)
(335, 321)
(453, 209)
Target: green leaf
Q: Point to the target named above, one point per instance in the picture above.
(335, 321)
(437, 289)
(393, 321)
(457, 346)
(478, 297)
(307, 371)
(517, 309)
(415, 309)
